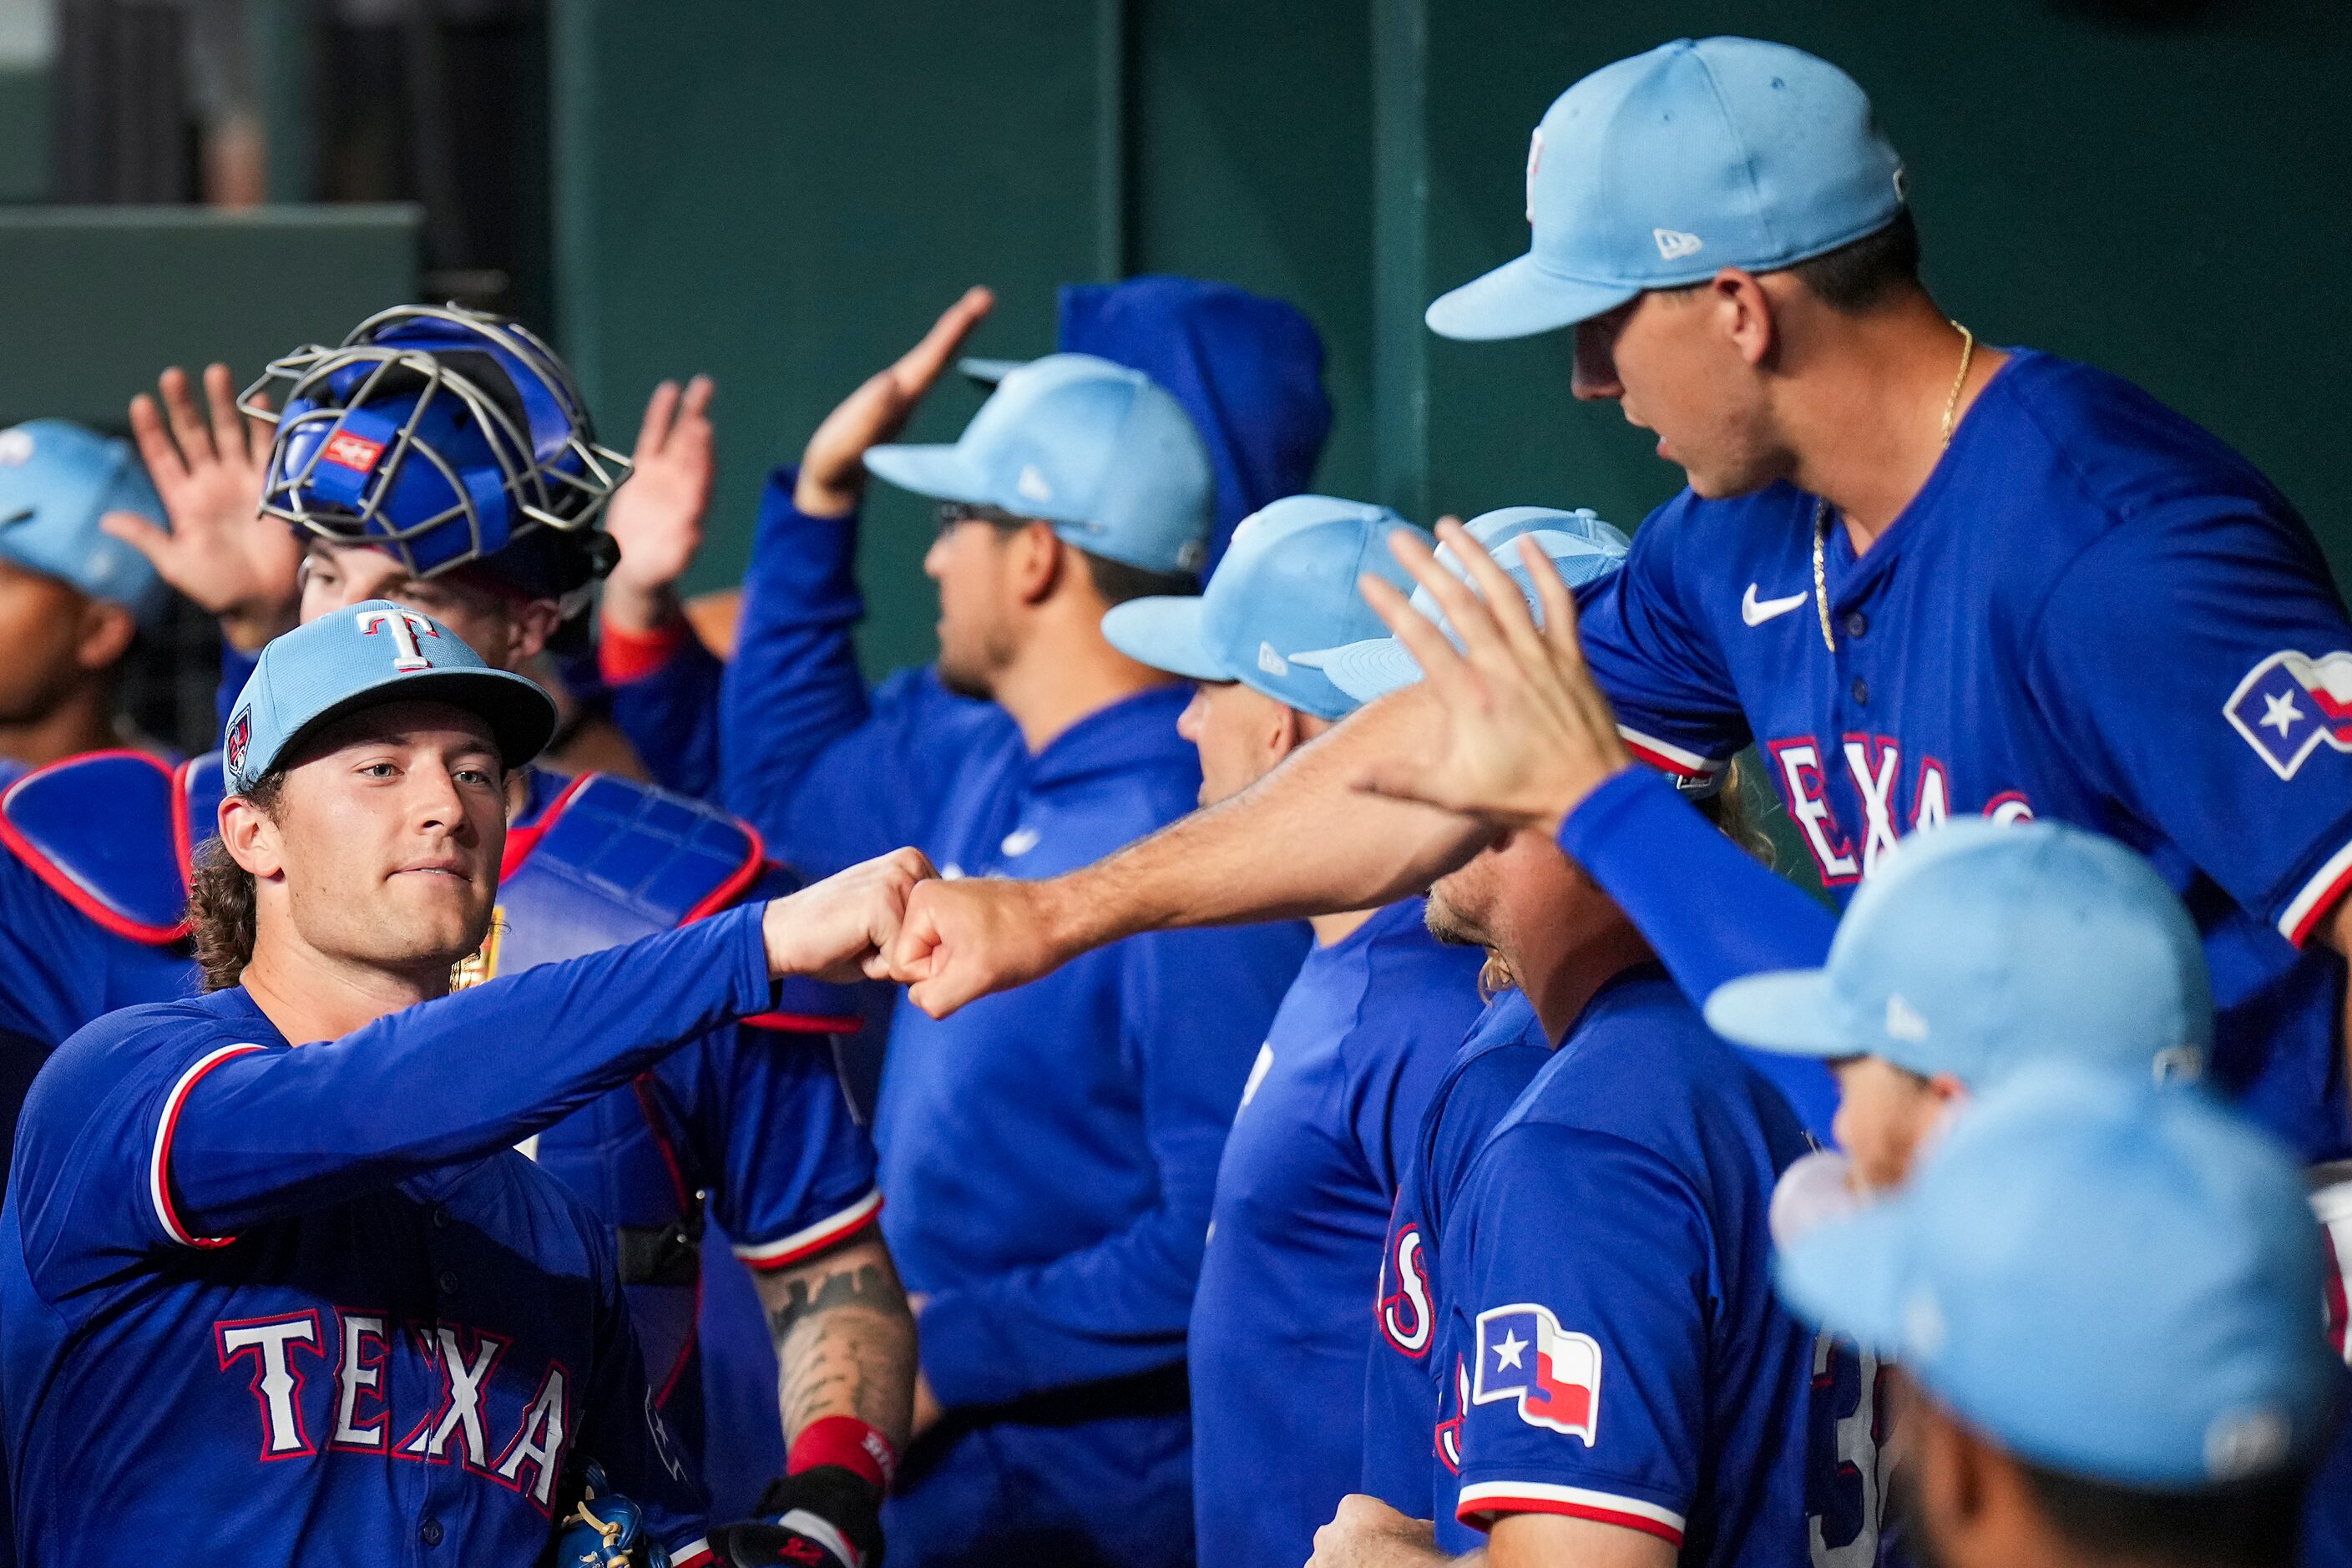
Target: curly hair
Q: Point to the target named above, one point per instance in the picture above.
(221, 901)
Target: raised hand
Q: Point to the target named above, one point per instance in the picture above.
(833, 469)
(220, 552)
(1527, 734)
(844, 927)
(967, 939)
(656, 517)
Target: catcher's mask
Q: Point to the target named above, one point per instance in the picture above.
(443, 435)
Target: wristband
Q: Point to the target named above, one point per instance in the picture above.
(845, 1441)
(623, 656)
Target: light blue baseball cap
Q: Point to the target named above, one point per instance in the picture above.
(2109, 1280)
(1658, 171)
(56, 479)
(1095, 449)
(1977, 947)
(363, 657)
(1582, 548)
(1288, 583)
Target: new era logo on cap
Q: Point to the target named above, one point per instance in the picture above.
(1673, 244)
(356, 453)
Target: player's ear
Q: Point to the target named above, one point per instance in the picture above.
(1035, 561)
(106, 631)
(1743, 311)
(250, 837)
(529, 626)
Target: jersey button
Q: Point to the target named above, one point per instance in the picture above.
(440, 1216)
(429, 1532)
(1856, 624)
(448, 1281)
(1861, 692)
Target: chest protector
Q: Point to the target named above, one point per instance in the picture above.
(113, 834)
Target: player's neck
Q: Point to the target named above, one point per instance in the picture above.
(1864, 413)
(1561, 978)
(311, 996)
(84, 721)
(1066, 674)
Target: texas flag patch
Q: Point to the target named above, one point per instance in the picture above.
(1555, 1375)
(2289, 703)
(356, 453)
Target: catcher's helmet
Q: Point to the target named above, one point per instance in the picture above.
(443, 436)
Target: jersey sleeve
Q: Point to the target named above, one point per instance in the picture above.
(829, 773)
(1712, 912)
(795, 1171)
(94, 1152)
(1664, 676)
(1577, 1271)
(661, 691)
(249, 1135)
(2197, 669)
(1194, 1011)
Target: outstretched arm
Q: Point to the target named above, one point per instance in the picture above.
(247, 1134)
(1301, 841)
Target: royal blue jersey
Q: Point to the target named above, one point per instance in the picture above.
(314, 1288)
(2093, 612)
(749, 1125)
(1303, 1194)
(1404, 1381)
(1608, 1308)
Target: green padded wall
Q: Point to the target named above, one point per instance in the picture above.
(106, 297)
(784, 193)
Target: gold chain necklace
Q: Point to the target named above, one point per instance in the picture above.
(1822, 508)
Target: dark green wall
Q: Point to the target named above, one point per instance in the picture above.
(783, 192)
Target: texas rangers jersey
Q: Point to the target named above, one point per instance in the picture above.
(750, 1125)
(1609, 1325)
(1303, 1197)
(1404, 1379)
(310, 1290)
(2093, 612)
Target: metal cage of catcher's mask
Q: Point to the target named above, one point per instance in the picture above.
(437, 434)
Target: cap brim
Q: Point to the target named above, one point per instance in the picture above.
(1164, 633)
(941, 473)
(1847, 1276)
(522, 717)
(1519, 299)
(1788, 1010)
(1367, 670)
(989, 371)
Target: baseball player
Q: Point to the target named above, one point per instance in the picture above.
(1310, 1171)
(71, 598)
(1248, 369)
(1616, 1383)
(2099, 1295)
(268, 1254)
(1049, 1157)
(1917, 572)
(745, 1136)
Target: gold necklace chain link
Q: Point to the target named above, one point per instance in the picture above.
(1822, 508)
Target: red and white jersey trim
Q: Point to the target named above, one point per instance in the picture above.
(806, 1243)
(695, 1553)
(1667, 756)
(2306, 910)
(1489, 1497)
(159, 1165)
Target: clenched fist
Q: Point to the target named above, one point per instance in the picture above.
(964, 940)
(842, 926)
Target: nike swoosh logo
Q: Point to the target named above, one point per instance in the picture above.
(1756, 611)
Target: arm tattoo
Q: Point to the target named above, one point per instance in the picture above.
(844, 1340)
